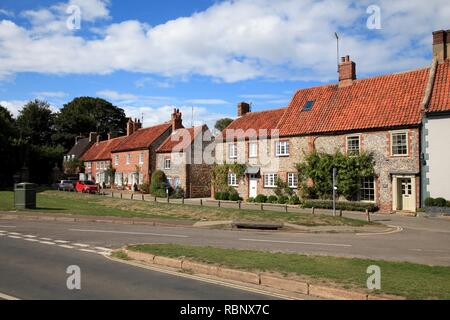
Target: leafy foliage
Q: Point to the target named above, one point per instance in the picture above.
(36, 123)
(341, 205)
(220, 172)
(221, 124)
(315, 174)
(158, 183)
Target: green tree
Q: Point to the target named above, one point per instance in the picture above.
(36, 123)
(158, 183)
(221, 124)
(86, 114)
(10, 159)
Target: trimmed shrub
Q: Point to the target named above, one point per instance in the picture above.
(225, 196)
(294, 200)
(234, 196)
(440, 202)
(448, 203)
(145, 187)
(341, 205)
(218, 195)
(178, 193)
(158, 183)
(283, 199)
(272, 199)
(260, 198)
(429, 202)
(251, 199)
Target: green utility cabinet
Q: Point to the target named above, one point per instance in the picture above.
(25, 196)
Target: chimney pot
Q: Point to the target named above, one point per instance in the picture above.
(130, 127)
(177, 121)
(441, 45)
(347, 72)
(98, 139)
(243, 108)
(92, 137)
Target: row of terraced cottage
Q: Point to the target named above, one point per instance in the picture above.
(403, 119)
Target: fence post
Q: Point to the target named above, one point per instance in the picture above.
(132, 196)
(168, 198)
(155, 198)
(121, 195)
(286, 207)
(262, 207)
(112, 194)
(313, 209)
(201, 202)
(218, 203)
(143, 199)
(182, 199)
(340, 213)
(239, 202)
(368, 215)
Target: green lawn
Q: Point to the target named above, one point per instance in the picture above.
(409, 280)
(83, 204)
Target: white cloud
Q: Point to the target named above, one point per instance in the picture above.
(153, 116)
(230, 41)
(50, 94)
(4, 12)
(14, 106)
(209, 102)
(114, 95)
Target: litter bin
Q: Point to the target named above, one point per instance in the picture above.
(25, 196)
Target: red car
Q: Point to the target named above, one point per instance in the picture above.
(86, 186)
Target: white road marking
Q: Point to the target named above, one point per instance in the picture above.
(66, 246)
(103, 249)
(15, 237)
(397, 229)
(2, 235)
(135, 233)
(7, 227)
(46, 239)
(61, 241)
(29, 236)
(81, 245)
(15, 233)
(47, 242)
(299, 242)
(88, 250)
(7, 297)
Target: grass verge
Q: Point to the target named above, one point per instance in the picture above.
(83, 204)
(414, 281)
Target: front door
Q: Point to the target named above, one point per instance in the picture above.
(253, 186)
(407, 201)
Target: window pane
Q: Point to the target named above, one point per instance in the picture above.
(368, 189)
(353, 145)
(399, 144)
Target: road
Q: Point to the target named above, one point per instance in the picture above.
(31, 270)
(34, 255)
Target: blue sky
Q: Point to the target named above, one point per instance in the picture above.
(151, 56)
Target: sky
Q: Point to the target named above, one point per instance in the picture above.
(149, 57)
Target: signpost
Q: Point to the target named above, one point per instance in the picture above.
(334, 190)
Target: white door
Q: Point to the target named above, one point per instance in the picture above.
(253, 192)
(407, 197)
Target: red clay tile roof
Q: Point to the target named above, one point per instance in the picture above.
(181, 139)
(386, 101)
(261, 120)
(440, 98)
(143, 138)
(102, 150)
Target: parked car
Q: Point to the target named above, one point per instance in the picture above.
(86, 186)
(67, 185)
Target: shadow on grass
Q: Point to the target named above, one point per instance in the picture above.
(49, 209)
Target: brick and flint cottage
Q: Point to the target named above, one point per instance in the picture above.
(381, 115)
(183, 158)
(78, 150)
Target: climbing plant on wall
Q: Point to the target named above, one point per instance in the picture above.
(315, 174)
(220, 175)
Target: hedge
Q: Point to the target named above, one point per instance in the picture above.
(341, 205)
(438, 202)
(272, 199)
(260, 198)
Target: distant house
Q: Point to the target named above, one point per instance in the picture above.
(181, 158)
(382, 115)
(97, 161)
(80, 147)
(436, 132)
(134, 158)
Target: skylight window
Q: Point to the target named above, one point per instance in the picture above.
(308, 105)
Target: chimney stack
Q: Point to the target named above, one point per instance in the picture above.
(441, 45)
(109, 136)
(243, 108)
(130, 127)
(92, 137)
(98, 139)
(347, 72)
(177, 122)
(137, 125)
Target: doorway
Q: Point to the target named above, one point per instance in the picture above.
(253, 186)
(406, 198)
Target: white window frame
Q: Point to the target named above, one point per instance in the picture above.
(89, 165)
(374, 190)
(96, 165)
(353, 152)
(270, 180)
(292, 178)
(128, 158)
(255, 145)
(141, 158)
(116, 159)
(394, 133)
(282, 148)
(232, 179)
(232, 151)
(167, 163)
